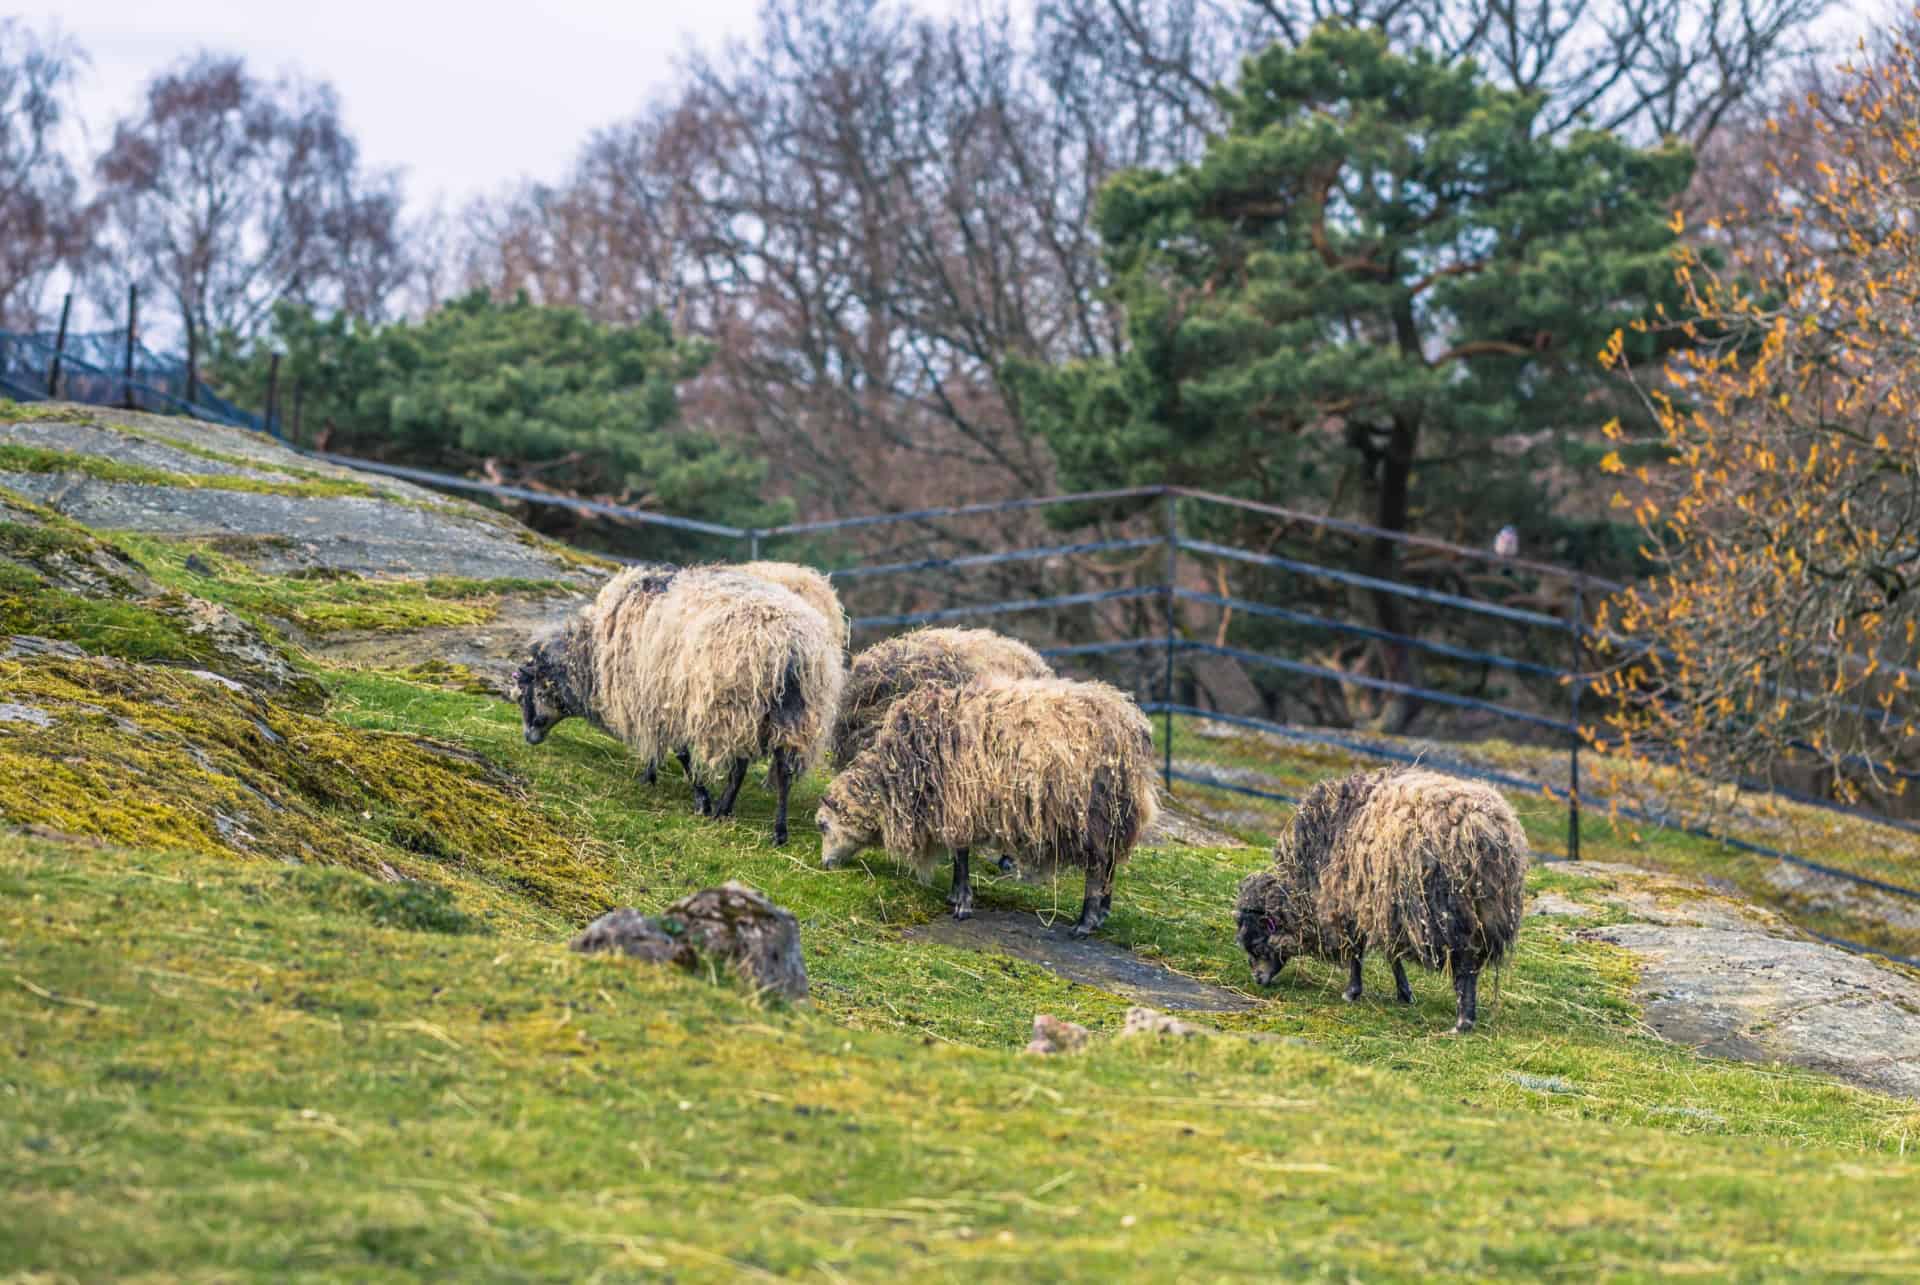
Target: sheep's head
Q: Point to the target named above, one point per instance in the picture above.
(1265, 928)
(844, 826)
(546, 693)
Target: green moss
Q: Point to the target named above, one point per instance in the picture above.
(16, 458)
(324, 602)
(153, 758)
(447, 675)
(12, 412)
(418, 907)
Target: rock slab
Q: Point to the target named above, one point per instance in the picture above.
(733, 923)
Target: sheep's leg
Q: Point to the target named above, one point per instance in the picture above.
(1401, 991)
(961, 898)
(1099, 899)
(1354, 985)
(782, 769)
(737, 775)
(1466, 990)
(702, 801)
(652, 774)
(1007, 866)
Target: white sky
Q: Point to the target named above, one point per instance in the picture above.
(462, 97)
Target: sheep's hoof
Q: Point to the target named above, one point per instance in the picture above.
(1081, 931)
(1405, 997)
(962, 912)
(1006, 865)
(780, 837)
(1461, 1027)
(1351, 994)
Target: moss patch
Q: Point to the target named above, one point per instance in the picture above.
(154, 758)
(16, 458)
(321, 601)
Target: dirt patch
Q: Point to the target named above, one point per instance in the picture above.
(1090, 962)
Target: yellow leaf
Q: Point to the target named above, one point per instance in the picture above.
(1610, 463)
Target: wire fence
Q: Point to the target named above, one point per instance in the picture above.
(1310, 643)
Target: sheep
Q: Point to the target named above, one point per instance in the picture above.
(813, 588)
(1047, 770)
(719, 667)
(1407, 861)
(893, 667)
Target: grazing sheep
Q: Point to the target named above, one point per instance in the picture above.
(893, 667)
(813, 588)
(721, 668)
(1052, 772)
(1406, 861)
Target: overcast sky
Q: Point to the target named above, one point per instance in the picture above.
(462, 97)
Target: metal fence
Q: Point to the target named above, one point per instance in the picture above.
(1224, 668)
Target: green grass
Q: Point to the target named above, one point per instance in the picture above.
(214, 1063)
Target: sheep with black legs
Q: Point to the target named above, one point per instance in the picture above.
(1405, 861)
(1051, 772)
(720, 668)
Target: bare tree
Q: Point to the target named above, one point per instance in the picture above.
(1643, 68)
(232, 193)
(44, 223)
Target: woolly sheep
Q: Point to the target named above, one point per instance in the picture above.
(1052, 772)
(1407, 861)
(722, 668)
(893, 667)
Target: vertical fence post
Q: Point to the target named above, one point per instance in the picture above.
(1579, 624)
(273, 393)
(193, 359)
(753, 545)
(133, 323)
(59, 347)
(1166, 596)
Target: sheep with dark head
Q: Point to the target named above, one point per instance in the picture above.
(1406, 861)
(1051, 772)
(720, 668)
(894, 667)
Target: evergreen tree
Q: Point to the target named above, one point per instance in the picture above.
(1379, 292)
(532, 395)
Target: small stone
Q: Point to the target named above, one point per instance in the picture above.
(1146, 1021)
(733, 922)
(1052, 1035)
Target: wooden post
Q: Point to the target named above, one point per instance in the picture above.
(1173, 562)
(273, 393)
(133, 325)
(59, 347)
(299, 388)
(1579, 624)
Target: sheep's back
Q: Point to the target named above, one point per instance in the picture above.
(895, 667)
(1428, 865)
(1052, 771)
(811, 587)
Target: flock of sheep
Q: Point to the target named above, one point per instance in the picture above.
(952, 741)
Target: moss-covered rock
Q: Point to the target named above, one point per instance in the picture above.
(152, 757)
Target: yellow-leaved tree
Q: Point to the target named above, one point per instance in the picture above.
(1780, 497)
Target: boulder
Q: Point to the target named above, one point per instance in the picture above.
(732, 923)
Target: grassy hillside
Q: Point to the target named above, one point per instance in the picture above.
(222, 1064)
